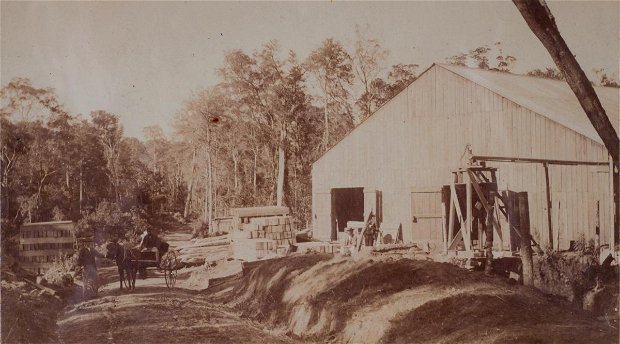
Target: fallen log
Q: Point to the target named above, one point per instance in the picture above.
(205, 244)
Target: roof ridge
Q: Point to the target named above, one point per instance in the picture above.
(499, 72)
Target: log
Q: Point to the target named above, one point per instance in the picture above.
(205, 244)
(259, 211)
(526, 248)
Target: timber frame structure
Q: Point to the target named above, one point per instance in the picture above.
(480, 182)
(483, 181)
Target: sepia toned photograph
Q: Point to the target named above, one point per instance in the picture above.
(351, 172)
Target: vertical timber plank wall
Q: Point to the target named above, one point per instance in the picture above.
(418, 138)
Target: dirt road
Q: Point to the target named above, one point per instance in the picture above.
(155, 314)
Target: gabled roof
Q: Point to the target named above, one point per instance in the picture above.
(550, 98)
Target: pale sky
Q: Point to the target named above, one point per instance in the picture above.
(141, 60)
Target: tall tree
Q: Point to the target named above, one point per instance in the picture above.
(542, 23)
(331, 66)
(368, 57)
(271, 91)
(110, 134)
(399, 77)
(484, 57)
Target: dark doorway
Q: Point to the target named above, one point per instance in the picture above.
(347, 205)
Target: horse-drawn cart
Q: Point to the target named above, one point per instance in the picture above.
(168, 263)
(156, 253)
(152, 252)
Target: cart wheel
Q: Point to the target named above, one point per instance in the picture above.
(171, 277)
(169, 263)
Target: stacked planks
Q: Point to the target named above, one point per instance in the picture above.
(262, 232)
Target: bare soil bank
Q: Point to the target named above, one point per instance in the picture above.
(371, 300)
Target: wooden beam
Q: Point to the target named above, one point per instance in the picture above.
(444, 227)
(468, 205)
(485, 203)
(455, 202)
(478, 190)
(451, 219)
(455, 241)
(457, 207)
(540, 161)
(548, 195)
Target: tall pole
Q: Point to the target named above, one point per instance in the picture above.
(526, 246)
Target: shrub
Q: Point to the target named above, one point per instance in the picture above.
(61, 271)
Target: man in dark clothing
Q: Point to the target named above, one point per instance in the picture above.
(86, 260)
(370, 235)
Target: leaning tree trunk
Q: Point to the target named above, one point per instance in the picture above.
(542, 23)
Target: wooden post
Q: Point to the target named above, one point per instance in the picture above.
(526, 248)
(451, 220)
(548, 194)
(468, 201)
(613, 206)
(452, 212)
(444, 226)
(488, 244)
(558, 226)
(597, 226)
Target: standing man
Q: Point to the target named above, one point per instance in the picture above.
(370, 235)
(86, 260)
(349, 242)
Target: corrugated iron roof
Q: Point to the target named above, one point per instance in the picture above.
(550, 98)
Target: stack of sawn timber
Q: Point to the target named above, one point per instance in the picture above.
(261, 232)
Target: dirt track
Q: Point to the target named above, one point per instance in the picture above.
(154, 314)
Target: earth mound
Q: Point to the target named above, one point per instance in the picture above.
(376, 299)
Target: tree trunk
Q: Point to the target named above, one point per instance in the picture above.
(526, 246)
(190, 187)
(214, 208)
(254, 171)
(281, 161)
(81, 188)
(208, 208)
(326, 130)
(235, 159)
(542, 23)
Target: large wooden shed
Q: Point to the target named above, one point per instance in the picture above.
(532, 130)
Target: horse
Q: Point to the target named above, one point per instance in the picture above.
(123, 257)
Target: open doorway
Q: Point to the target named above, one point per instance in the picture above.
(347, 205)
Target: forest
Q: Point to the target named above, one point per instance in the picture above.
(249, 140)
